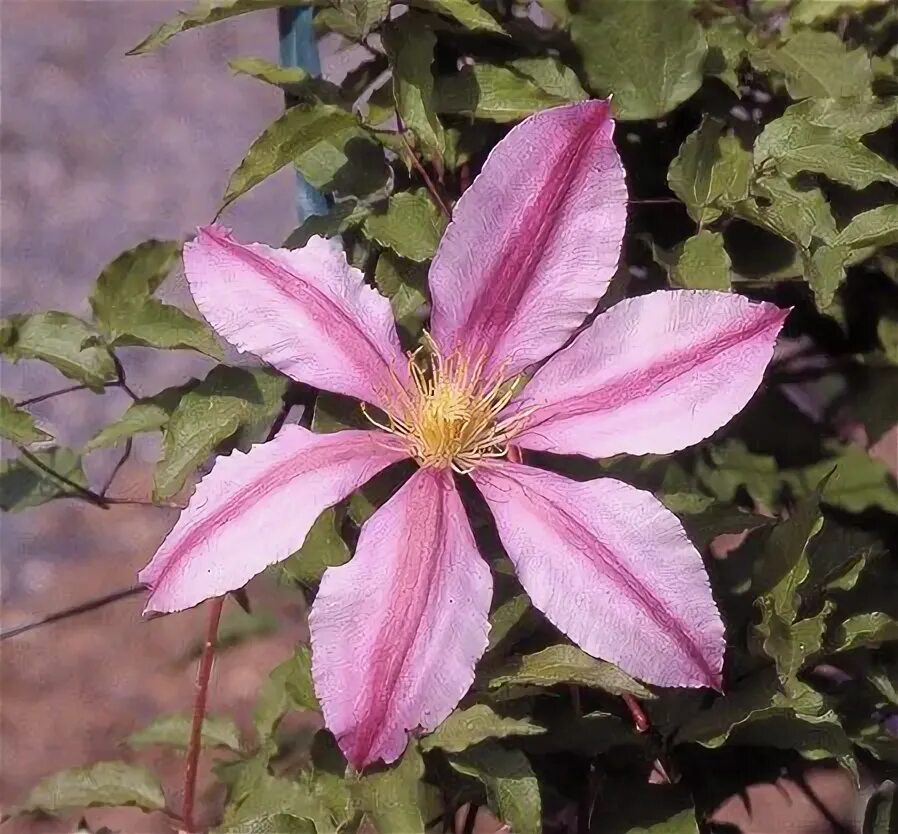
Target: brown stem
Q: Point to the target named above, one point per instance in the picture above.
(59, 392)
(79, 491)
(129, 445)
(204, 673)
(640, 719)
(431, 187)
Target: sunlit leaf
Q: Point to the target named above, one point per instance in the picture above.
(411, 225)
(63, 341)
(391, 797)
(24, 484)
(703, 263)
(798, 214)
(18, 425)
(866, 631)
(323, 548)
(144, 415)
(174, 731)
(551, 76)
(287, 78)
(289, 686)
(467, 12)
(404, 282)
(648, 55)
(466, 727)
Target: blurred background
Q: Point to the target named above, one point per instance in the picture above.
(98, 152)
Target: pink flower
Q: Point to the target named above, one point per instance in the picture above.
(397, 631)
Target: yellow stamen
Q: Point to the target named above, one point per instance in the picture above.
(450, 417)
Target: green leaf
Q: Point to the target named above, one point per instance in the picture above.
(411, 226)
(568, 665)
(126, 313)
(24, 485)
(313, 135)
(270, 824)
(287, 78)
(59, 339)
(289, 686)
(866, 631)
(391, 797)
(881, 815)
(146, 414)
(734, 466)
(793, 145)
(825, 271)
(648, 55)
(791, 645)
(410, 42)
(344, 215)
(18, 425)
(174, 731)
(796, 214)
(703, 264)
(551, 76)
(104, 783)
(466, 727)
(358, 17)
(512, 788)
(852, 116)
(818, 64)
(877, 227)
(711, 172)
(227, 400)
(323, 548)
(266, 795)
(203, 13)
(506, 618)
(467, 12)
(491, 92)
(887, 333)
(404, 282)
(727, 48)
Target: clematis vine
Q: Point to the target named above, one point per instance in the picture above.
(533, 243)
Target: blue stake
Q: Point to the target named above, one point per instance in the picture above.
(299, 49)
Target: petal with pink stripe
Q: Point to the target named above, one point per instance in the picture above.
(305, 311)
(396, 631)
(612, 568)
(255, 508)
(533, 242)
(654, 374)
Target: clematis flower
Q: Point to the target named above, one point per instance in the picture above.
(532, 245)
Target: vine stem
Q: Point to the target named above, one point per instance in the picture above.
(431, 187)
(204, 673)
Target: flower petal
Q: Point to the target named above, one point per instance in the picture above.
(654, 374)
(533, 242)
(396, 631)
(305, 311)
(254, 509)
(611, 567)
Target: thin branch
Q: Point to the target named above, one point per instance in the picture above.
(75, 610)
(129, 445)
(654, 201)
(431, 187)
(141, 502)
(120, 371)
(204, 673)
(50, 395)
(78, 490)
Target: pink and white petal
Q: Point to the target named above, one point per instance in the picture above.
(255, 508)
(533, 242)
(305, 311)
(612, 568)
(396, 631)
(654, 374)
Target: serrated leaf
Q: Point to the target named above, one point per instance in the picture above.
(791, 645)
(703, 264)
(711, 172)
(566, 665)
(818, 64)
(313, 135)
(851, 116)
(289, 686)
(359, 17)
(105, 783)
(411, 226)
(174, 731)
(58, 339)
(876, 227)
(18, 425)
(470, 14)
(287, 78)
(203, 13)
(866, 631)
(263, 794)
(146, 414)
(512, 788)
(466, 727)
(733, 466)
(794, 145)
(24, 485)
(648, 55)
(410, 43)
(227, 400)
(491, 92)
(391, 797)
(551, 76)
(323, 548)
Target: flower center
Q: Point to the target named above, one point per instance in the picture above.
(450, 418)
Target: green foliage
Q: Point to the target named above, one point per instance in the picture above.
(174, 731)
(105, 783)
(757, 140)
